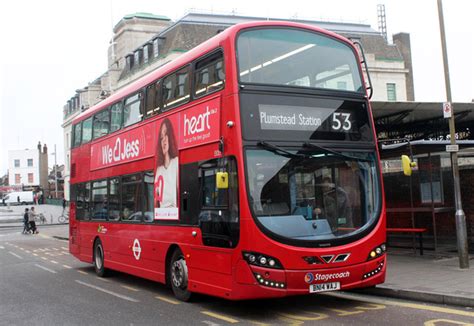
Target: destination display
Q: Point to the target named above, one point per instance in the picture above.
(285, 117)
(277, 117)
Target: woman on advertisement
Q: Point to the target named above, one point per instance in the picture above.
(166, 177)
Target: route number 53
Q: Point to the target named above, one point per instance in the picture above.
(341, 120)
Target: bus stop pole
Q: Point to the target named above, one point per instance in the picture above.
(461, 230)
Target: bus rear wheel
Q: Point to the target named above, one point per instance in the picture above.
(178, 272)
(98, 258)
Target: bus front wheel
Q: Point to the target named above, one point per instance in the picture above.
(179, 276)
(98, 258)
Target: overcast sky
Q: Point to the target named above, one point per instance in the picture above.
(50, 48)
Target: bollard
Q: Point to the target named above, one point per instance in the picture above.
(51, 218)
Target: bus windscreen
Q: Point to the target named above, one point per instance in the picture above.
(293, 57)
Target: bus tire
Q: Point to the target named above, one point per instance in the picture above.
(98, 258)
(178, 273)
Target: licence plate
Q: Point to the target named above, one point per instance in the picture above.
(324, 287)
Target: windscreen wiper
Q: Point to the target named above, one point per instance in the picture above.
(278, 150)
(336, 153)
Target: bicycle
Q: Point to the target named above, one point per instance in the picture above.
(42, 218)
(64, 217)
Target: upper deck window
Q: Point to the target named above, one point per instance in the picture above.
(176, 88)
(294, 57)
(101, 123)
(132, 110)
(87, 130)
(153, 99)
(116, 116)
(209, 75)
(77, 134)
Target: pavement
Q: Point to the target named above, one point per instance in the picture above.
(434, 277)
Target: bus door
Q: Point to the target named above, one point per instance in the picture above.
(213, 209)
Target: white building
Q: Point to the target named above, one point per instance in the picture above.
(28, 167)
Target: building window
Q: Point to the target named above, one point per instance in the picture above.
(30, 178)
(30, 162)
(17, 163)
(391, 92)
(17, 178)
(137, 57)
(145, 54)
(156, 52)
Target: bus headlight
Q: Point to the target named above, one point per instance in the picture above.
(377, 251)
(258, 259)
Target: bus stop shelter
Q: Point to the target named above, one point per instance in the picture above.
(426, 199)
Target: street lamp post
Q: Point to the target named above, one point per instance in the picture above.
(55, 174)
(461, 231)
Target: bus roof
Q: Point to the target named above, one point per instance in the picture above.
(191, 55)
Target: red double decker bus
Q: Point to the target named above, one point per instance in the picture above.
(246, 168)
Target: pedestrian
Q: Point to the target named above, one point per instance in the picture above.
(26, 228)
(31, 219)
(18, 199)
(64, 203)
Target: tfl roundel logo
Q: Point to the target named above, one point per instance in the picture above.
(309, 278)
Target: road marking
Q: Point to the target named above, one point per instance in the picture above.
(129, 288)
(66, 266)
(2, 247)
(17, 256)
(167, 300)
(221, 317)
(22, 249)
(28, 252)
(82, 272)
(64, 248)
(44, 258)
(309, 316)
(46, 269)
(35, 255)
(210, 323)
(54, 262)
(102, 279)
(446, 321)
(44, 236)
(402, 304)
(124, 297)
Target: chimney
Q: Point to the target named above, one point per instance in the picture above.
(45, 149)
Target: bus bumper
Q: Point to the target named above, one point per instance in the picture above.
(258, 282)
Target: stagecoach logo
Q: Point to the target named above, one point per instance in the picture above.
(122, 150)
(309, 277)
(137, 250)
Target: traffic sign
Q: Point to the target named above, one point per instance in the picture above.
(447, 110)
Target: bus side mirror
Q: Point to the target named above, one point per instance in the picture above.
(407, 165)
(222, 180)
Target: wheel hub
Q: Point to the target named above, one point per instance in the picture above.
(179, 274)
